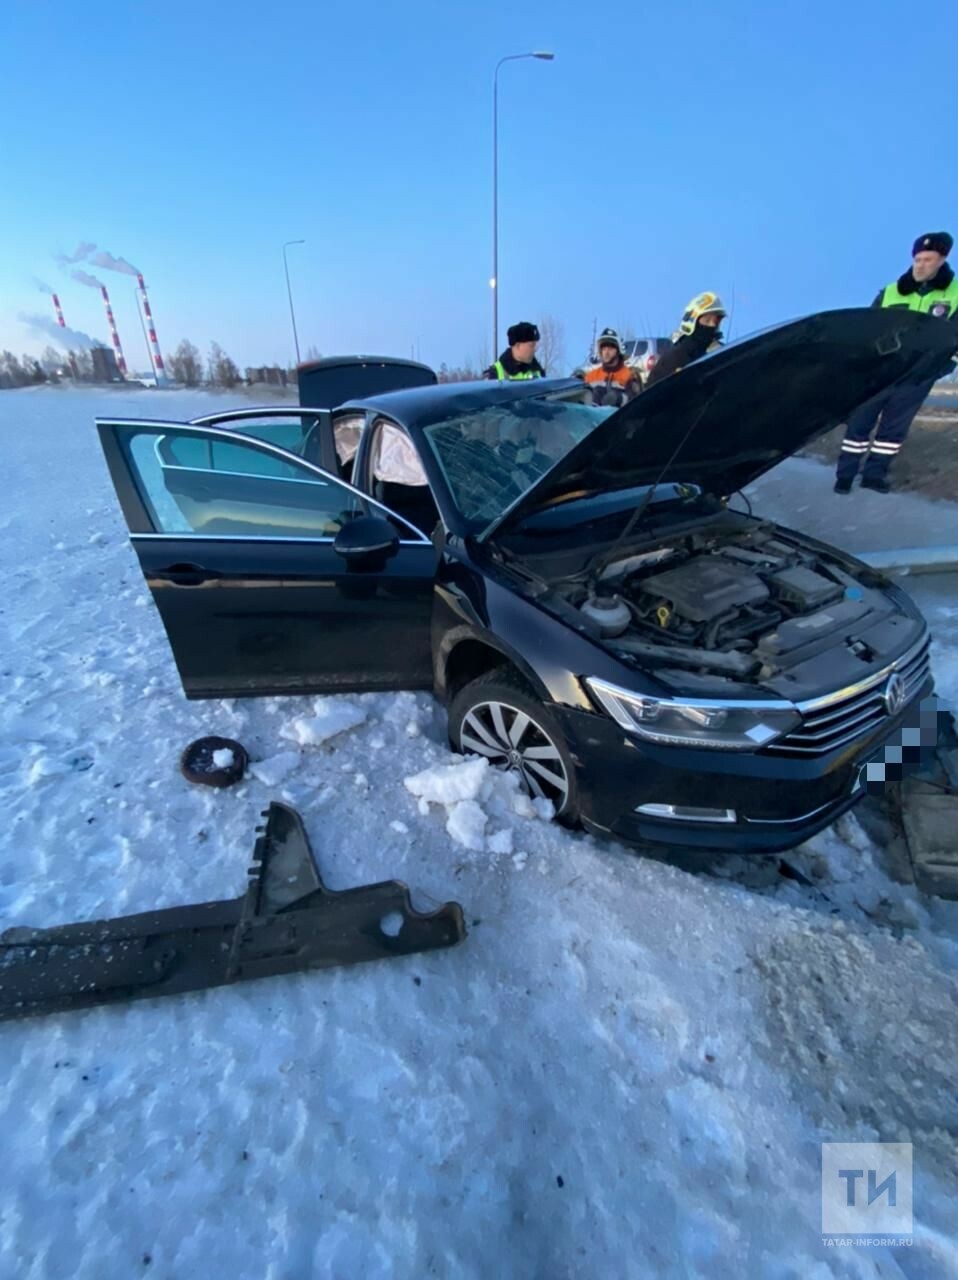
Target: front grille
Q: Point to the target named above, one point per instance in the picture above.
(835, 724)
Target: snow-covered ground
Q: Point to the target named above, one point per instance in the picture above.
(800, 492)
(627, 1069)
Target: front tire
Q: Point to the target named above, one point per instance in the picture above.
(499, 717)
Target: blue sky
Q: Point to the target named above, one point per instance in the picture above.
(787, 154)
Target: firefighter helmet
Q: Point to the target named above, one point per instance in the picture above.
(704, 304)
(609, 338)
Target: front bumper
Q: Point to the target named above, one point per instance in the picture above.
(778, 800)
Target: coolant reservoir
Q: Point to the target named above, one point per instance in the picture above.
(609, 613)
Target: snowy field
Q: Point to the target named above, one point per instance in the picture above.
(627, 1069)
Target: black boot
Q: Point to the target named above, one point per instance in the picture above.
(843, 486)
(877, 484)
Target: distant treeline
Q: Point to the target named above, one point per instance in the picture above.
(185, 365)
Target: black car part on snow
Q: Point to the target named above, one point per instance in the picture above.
(287, 921)
(925, 809)
(198, 762)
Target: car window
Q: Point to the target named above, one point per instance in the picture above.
(218, 453)
(288, 433)
(641, 347)
(197, 483)
(347, 431)
(491, 456)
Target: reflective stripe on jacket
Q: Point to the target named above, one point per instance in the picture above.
(936, 302)
(501, 374)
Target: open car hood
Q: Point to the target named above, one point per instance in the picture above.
(726, 420)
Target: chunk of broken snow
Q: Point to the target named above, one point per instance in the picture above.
(401, 706)
(223, 758)
(391, 924)
(273, 771)
(449, 783)
(398, 826)
(466, 824)
(46, 767)
(544, 808)
(519, 860)
(501, 842)
(522, 805)
(333, 715)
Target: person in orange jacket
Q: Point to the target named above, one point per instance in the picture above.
(612, 381)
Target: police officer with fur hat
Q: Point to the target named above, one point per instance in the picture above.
(929, 286)
(518, 362)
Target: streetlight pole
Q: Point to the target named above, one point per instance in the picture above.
(494, 282)
(289, 294)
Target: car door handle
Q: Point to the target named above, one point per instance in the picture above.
(186, 575)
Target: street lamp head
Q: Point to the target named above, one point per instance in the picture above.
(546, 57)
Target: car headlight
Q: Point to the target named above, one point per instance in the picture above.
(725, 726)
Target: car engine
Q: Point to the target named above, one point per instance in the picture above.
(739, 604)
(717, 600)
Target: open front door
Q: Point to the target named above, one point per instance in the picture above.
(235, 538)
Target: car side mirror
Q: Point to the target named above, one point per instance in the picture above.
(367, 538)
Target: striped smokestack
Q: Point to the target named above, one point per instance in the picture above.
(59, 311)
(118, 350)
(151, 330)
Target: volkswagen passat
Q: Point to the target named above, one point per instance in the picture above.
(572, 582)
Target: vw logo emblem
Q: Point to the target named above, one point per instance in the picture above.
(895, 694)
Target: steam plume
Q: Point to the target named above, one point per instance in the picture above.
(82, 251)
(69, 339)
(84, 277)
(107, 262)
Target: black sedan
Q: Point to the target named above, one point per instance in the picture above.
(571, 581)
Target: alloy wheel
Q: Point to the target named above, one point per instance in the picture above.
(510, 738)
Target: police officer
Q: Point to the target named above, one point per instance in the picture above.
(930, 287)
(518, 361)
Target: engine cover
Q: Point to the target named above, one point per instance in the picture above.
(805, 589)
(705, 588)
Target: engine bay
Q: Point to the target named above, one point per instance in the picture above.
(742, 603)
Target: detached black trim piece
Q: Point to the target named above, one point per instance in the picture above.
(286, 922)
(197, 764)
